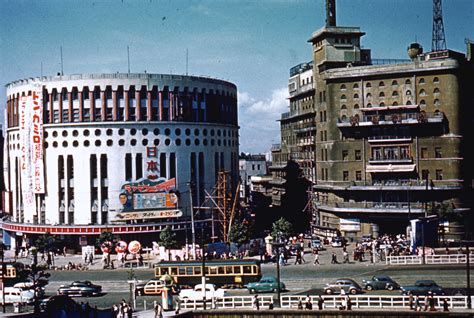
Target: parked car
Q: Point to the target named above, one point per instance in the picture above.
(348, 285)
(317, 244)
(196, 293)
(80, 288)
(423, 287)
(380, 282)
(17, 295)
(56, 302)
(265, 284)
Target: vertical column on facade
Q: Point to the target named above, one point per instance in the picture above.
(134, 166)
(148, 106)
(99, 189)
(9, 123)
(51, 110)
(81, 104)
(160, 105)
(138, 107)
(92, 105)
(60, 106)
(127, 104)
(114, 105)
(171, 105)
(103, 115)
(168, 165)
(66, 192)
(69, 107)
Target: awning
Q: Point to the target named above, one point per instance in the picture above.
(391, 168)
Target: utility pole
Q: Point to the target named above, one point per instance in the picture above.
(193, 234)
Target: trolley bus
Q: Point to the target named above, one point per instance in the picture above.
(226, 273)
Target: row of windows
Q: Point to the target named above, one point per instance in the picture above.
(394, 83)
(438, 152)
(345, 175)
(394, 94)
(134, 131)
(436, 103)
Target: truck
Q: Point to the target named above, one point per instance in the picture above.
(197, 292)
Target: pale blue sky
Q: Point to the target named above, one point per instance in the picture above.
(250, 43)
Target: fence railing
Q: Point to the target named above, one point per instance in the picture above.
(372, 301)
(429, 259)
(228, 302)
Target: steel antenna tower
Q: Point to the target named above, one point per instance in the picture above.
(438, 40)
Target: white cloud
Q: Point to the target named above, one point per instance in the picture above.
(259, 128)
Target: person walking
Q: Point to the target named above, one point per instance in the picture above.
(445, 304)
(417, 303)
(256, 303)
(410, 300)
(316, 257)
(334, 258)
(320, 302)
(308, 303)
(158, 310)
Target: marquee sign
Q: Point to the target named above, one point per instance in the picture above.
(128, 216)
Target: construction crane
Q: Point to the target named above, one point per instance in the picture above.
(438, 40)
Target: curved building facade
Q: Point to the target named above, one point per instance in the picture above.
(84, 153)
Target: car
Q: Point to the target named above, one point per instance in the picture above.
(317, 244)
(17, 295)
(337, 242)
(423, 287)
(56, 302)
(80, 288)
(380, 282)
(196, 294)
(265, 284)
(348, 285)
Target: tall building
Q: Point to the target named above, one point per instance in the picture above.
(114, 152)
(392, 139)
(249, 166)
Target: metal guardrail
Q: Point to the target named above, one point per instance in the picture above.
(228, 302)
(429, 259)
(372, 301)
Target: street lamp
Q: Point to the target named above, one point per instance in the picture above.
(277, 245)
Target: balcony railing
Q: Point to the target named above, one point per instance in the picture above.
(393, 183)
(388, 159)
(400, 207)
(392, 119)
(374, 139)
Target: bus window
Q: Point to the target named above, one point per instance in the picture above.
(213, 270)
(197, 271)
(173, 271)
(206, 270)
(220, 270)
(237, 270)
(181, 271)
(228, 270)
(247, 269)
(189, 271)
(255, 269)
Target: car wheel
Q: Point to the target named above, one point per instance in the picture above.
(275, 290)
(353, 291)
(369, 287)
(252, 291)
(390, 287)
(328, 291)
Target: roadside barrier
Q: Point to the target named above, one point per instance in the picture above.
(429, 259)
(228, 302)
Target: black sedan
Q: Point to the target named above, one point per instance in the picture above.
(380, 282)
(423, 287)
(80, 288)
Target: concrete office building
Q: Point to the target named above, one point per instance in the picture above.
(114, 152)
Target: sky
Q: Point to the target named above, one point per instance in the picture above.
(252, 44)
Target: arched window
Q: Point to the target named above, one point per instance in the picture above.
(394, 83)
(343, 106)
(422, 103)
(436, 90)
(408, 102)
(369, 105)
(382, 104)
(381, 84)
(408, 82)
(394, 104)
(343, 87)
(408, 92)
(368, 85)
(343, 97)
(422, 92)
(368, 95)
(344, 118)
(355, 85)
(356, 106)
(436, 103)
(421, 81)
(394, 94)
(381, 94)
(356, 96)
(436, 80)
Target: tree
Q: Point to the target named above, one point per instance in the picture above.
(445, 210)
(106, 236)
(168, 239)
(38, 276)
(45, 242)
(281, 227)
(239, 233)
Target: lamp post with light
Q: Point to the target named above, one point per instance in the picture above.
(277, 246)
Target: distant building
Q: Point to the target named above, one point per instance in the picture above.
(249, 166)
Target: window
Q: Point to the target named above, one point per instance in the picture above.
(369, 95)
(394, 94)
(381, 94)
(422, 92)
(395, 104)
(422, 81)
(422, 103)
(356, 96)
(368, 85)
(438, 153)
(343, 97)
(424, 152)
(436, 90)
(358, 175)
(355, 85)
(356, 106)
(381, 84)
(439, 174)
(408, 92)
(436, 80)
(394, 83)
(436, 102)
(407, 82)
(343, 87)
(344, 106)
(345, 155)
(425, 174)
(345, 175)
(357, 155)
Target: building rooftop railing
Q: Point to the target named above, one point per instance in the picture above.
(450, 184)
(301, 68)
(375, 205)
(383, 61)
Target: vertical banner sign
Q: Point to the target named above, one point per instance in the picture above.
(31, 132)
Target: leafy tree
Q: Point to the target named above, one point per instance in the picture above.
(281, 227)
(106, 236)
(445, 210)
(239, 233)
(45, 242)
(168, 239)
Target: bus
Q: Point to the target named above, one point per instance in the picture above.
(222, 273)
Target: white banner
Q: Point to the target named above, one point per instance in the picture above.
(31, 134)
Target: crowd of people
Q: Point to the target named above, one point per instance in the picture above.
(122, 310)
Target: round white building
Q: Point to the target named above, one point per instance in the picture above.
(115, 152)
